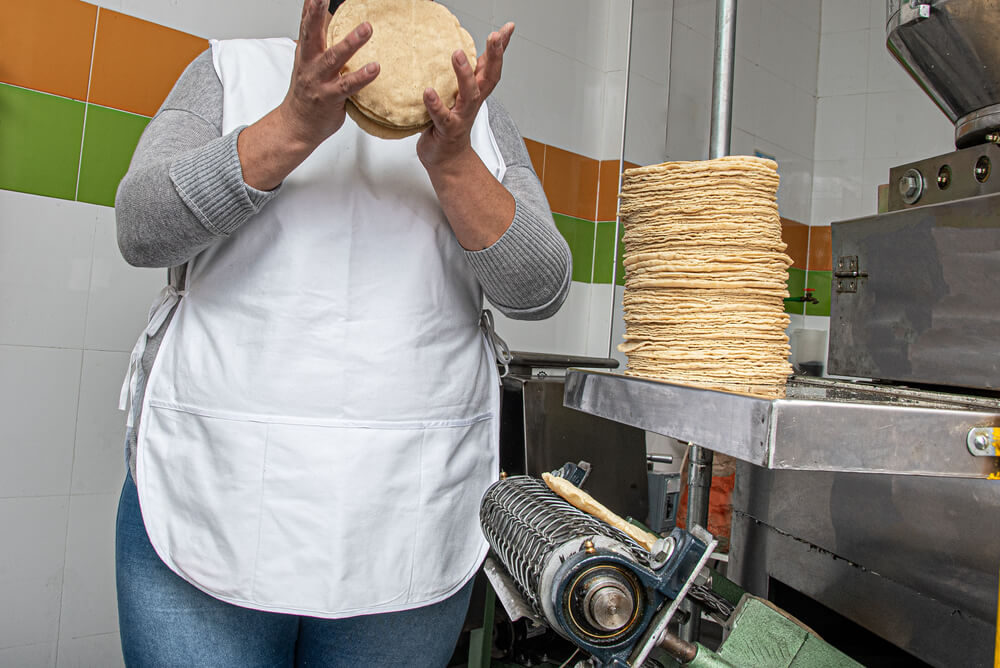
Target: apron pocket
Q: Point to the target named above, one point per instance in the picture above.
(199, 481)
(339, 515)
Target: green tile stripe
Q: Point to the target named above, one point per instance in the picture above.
(604, 253)
(820, 282)
(796, 289)
(40, 145)
(39, 142)
(579, 234)
(108, 144)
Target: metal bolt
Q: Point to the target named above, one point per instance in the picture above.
(981, 442)
(589, 547)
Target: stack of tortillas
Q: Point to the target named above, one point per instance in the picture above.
(412, 40)
(706, 275)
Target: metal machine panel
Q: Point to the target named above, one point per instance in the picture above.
(912, 559)
(538, 434)
(917, 298)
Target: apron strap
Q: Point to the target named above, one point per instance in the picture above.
(501, 351)
(168, 298)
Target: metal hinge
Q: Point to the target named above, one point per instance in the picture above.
(848, 273)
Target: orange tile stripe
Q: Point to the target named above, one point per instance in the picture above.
(47, 46)
(65, 47)
(136, 62)
(796, 236)
(820, 249)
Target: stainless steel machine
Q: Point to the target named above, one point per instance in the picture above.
(877, 494)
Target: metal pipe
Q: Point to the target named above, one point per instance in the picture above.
(699, 488)
(722, 79)
(720, 137)
(681, 650)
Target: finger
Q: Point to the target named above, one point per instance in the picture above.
(440, 114)
(505, 34)
(491, 62)
(312, 39)
(341, 52)
(351, 84)
(468, 90)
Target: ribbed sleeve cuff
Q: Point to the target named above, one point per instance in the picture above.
(526, 272)
(210, 181)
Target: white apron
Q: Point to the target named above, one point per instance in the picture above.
(321, 419)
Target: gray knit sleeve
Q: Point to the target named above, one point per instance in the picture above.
(184, 189)
(526, 273)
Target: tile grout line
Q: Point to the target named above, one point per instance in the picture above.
(86, 107)
(79, 386)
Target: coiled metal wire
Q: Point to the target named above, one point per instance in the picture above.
(524, 522)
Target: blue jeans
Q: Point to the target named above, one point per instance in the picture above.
(165, 621)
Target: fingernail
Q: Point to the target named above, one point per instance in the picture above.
(462, 60)
(363, 30)
(431, 95)
(371, 68)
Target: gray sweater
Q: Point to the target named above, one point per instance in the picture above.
(184, 191)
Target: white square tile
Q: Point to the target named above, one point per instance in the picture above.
(29, 656)
(614, 115)
(788, 49)
(98, 463)
(31, 568)
(45, 254)
(619, 24)
(840, 127)
(786, 115)
(746, 96)
(120, 294)
(648, 123)
(905, 122)
(618, 328)
(564, 333)
(698, 15)
(103, 651)
(39, 388)
(89, 602)
(795, 188)
(748, 29)
(276, 18)
(875, 172)
(553, 98)
(651, 40)
(845, 15)
(838, 192)
(884, 72)
(806, 12)
(601, 312)
(481, 10)
(574, 28)
(843, 63)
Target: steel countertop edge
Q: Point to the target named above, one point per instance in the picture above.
(822, 425)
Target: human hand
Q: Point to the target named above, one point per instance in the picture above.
(314, 107)
(448, 141)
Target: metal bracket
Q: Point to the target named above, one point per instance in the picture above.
(984, 441)
(660, 622)
(848, 273)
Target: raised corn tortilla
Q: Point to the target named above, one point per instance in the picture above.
(412, 40)
(579, 499)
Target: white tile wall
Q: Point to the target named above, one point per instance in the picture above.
(44, 270)
(89, 605)
(72, 310)
(31, 569)
(29, 656)
(39, 390)
(219, 19)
